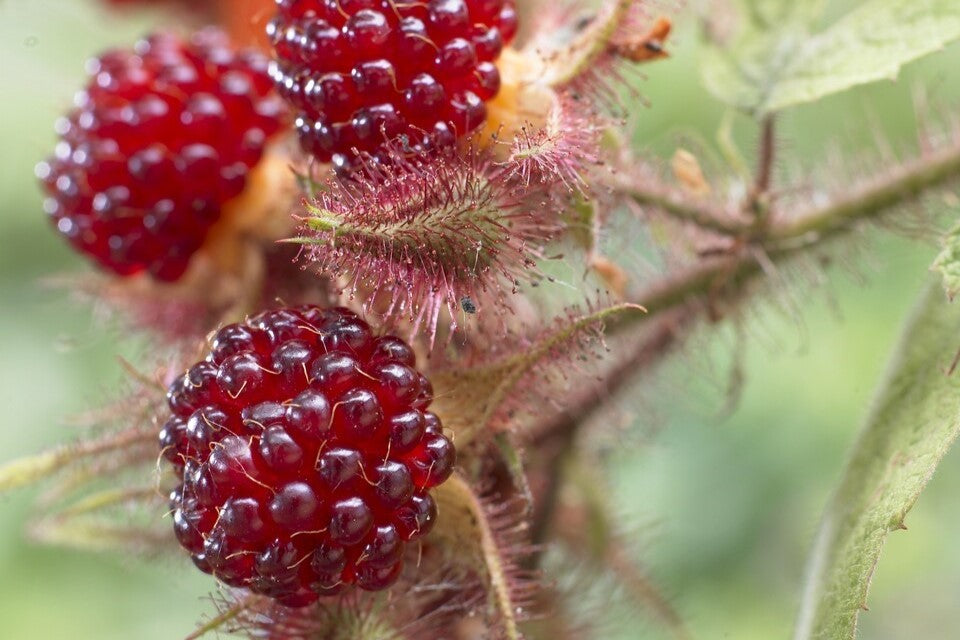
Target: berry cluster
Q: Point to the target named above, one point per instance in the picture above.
(305, 454)
(162, 137)
(363, 72)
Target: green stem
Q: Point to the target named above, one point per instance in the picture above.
(679, 292)
(110, 498)
(786, 239)
(906, 183)
(681, 207)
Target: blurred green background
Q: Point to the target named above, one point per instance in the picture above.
(724, 508)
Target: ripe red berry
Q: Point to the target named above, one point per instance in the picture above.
(362, 72)
(305, 455)
(163, 136)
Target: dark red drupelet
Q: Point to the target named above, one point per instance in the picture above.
(365, 72)
(305, 454)
(162, 136)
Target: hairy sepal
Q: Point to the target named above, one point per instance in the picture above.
(473, 399)
(590, 57)
(489, 534)
(99, 492)
(415, 238)
(428, 602)
(560, 153)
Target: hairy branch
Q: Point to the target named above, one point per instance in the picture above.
(679, 206)
(758, 203)
(674, 300)
(785, 239)
(662, 335)
(908, 182)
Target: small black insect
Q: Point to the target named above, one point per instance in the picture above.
(468, 305)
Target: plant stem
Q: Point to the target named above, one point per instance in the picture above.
(643, 590)
(681, 207)
(758, 203)
(787, 238)
(560, 433)
(23, 471)
(611, 551)
(545, 509)
(662, 335)
(680, 292)
(907, 182)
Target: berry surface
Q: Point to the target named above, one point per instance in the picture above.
(305, 454)
(163, 136)
(365, 72)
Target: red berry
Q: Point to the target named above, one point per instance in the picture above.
(305, 455)
(364, 72)
(162, 137)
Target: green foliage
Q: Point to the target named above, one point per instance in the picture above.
(777, 61)
(947, 263)
(914, 422)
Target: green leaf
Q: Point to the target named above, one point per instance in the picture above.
(741, 71)
(947, 263)
(915, 419)
(779, 63)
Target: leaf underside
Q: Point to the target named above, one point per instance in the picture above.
(915, 420)
(778, 63)
(947, 263)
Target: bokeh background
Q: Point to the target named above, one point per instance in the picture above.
(722, 506)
